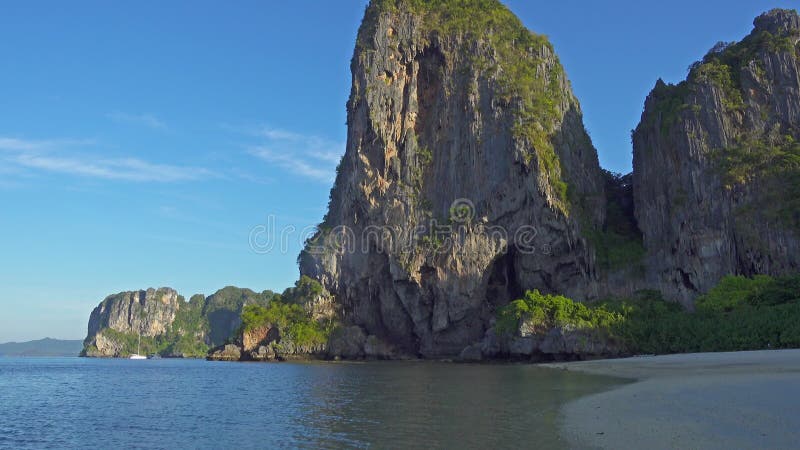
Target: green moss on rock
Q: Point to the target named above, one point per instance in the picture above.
(292, 321)
(721, 67)
(773, 163)
(526, 69)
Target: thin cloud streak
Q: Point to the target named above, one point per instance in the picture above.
(147, 120)
(303, 155)
(29, 145)
(332, 157)
(293, 164)
(129, 169)
(48, 156)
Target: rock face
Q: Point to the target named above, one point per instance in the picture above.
(268, 344)
(227, 352)
(252, 339)
(147, 312)
(716, 179)
(467, 178)
(348, 342)
(264, 343)
(222, 311)
(531, 343)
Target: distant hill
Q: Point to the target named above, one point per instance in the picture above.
(42, 347)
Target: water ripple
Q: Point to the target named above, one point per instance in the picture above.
(71, 402)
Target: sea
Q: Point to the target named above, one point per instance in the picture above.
(174, 403)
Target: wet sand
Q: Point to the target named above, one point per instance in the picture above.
(701, 400)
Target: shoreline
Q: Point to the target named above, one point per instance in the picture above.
(694, 400)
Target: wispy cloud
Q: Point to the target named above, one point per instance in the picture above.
(294, 163)
(147, 120)
(55, 156)
(30, 145)
(247, 176)
(128, 169)
(300, 154)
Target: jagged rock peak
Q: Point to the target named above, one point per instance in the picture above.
(716, 181)
(778, 21)
(455, 108)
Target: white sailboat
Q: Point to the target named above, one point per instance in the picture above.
(138, 348)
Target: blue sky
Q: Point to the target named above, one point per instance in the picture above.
(141, 143)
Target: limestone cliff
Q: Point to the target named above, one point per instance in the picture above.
(168, 324)
(717, 164)
(149, 312)
(467, 179)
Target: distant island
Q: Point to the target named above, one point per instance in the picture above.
(42, 347)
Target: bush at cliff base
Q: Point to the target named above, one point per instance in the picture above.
(738, 314)
(291, 320)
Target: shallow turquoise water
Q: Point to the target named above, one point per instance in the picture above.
(79, 402)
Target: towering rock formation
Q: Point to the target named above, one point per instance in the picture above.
(717, 164)
(468, 177)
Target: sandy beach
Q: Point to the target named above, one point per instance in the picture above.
(701, 400)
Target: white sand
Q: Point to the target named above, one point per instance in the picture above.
(702, 400)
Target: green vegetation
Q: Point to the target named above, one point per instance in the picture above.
(223, 308)
(185, 335)
(772, 159)
(615, 251)
(128, 342)
(777, 165)
(721, 75)
(291, 320)
(738, 54)
(670, 101)
(738, 314)
(737, 292)
(425, 156)
(233, 299)
(304, 290)
(528, 73)
(752, 157)
(199, 324)
(206, 322)
(290, 313)
(721, 67)
(432, 241)
(618, 244)
(548, 311)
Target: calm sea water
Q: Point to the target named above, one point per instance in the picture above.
(91, 403)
